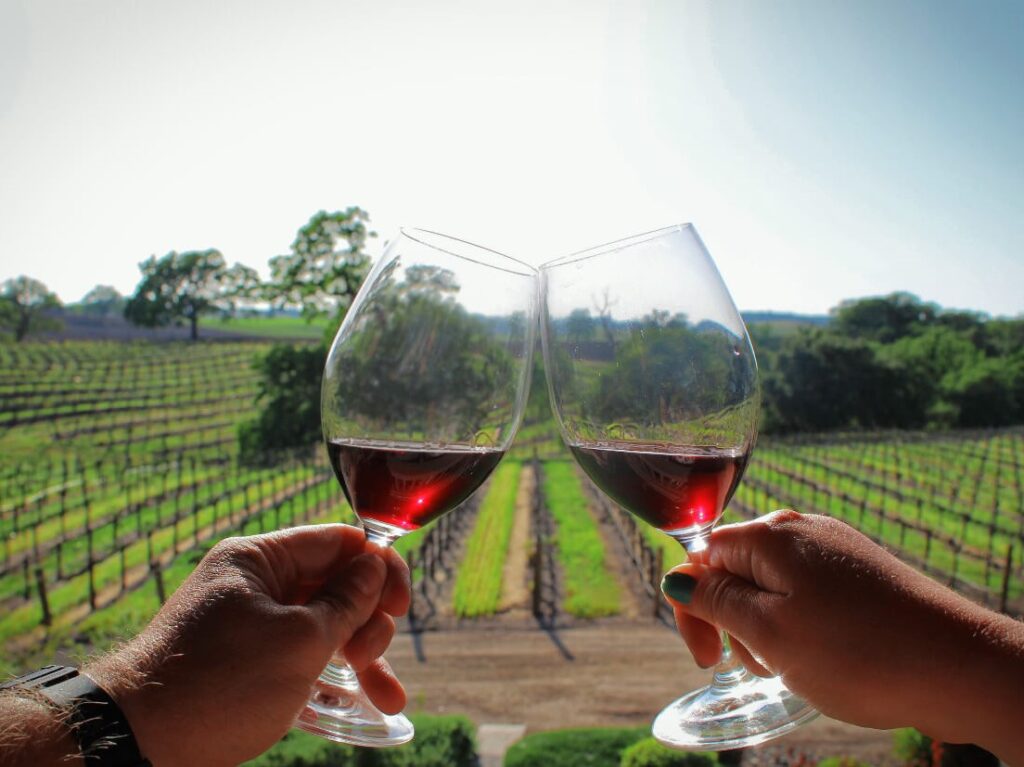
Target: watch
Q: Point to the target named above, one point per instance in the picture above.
(103, 734)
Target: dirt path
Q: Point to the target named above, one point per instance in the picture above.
(608, 673)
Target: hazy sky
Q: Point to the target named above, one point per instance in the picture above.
(824, 148)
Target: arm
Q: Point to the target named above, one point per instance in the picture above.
(858, 633)
(227, 664)
(32, 732)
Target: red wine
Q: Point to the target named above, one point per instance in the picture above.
(408, 486)
(670, 488)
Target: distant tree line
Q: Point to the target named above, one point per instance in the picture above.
(883, 362)
(892, 362)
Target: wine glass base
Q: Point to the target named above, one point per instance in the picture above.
(721, 718)
(349, 717)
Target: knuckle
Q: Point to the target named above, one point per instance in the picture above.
(713, 593)
(304, 622)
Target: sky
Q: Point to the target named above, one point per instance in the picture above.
(824, 149)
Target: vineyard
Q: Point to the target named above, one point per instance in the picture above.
(120, 469)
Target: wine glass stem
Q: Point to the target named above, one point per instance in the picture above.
(728, 670)
(337, 673)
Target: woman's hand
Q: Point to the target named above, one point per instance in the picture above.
(855, 631)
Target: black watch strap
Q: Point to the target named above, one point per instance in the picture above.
(103, 734)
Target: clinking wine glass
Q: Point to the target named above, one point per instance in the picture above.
(654, 383)
(423, 391)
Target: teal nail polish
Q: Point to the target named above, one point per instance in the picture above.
(679, 586)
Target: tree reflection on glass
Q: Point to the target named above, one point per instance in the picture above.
(654, 383)
(423, 391)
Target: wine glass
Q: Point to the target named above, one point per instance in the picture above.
(654, 385)
(423, 391)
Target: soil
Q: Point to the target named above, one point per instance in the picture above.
(614, 672)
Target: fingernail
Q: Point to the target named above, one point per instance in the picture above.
(679, 586)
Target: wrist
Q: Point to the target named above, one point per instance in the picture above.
(982, 685)
(998, 695)
(35, 732)
(125, 675)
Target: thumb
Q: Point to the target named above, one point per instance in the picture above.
(347, 600)
(722, 599)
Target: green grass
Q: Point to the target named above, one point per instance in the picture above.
(267, 327)
(591, 591)
(477, 588)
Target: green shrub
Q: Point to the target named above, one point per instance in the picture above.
(300, 749)
(590, 747)
(441, 741)
(911, 747)
(842, 761)
(650, 753)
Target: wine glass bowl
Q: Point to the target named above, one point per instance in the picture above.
(654, 383)
(423, 390)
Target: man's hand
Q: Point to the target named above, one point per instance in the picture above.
(225, 667)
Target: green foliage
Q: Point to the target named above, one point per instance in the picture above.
(477, 589)
(25, 307)
(894, 362)
(289, 393)
(283, 328)
(415, 361)
(655, 379)
(441, 741)
(326, 265)
(842, 761)
(184, 286)
(882, 318)
(584, 747)
(102, 301)
(911, 747)
(590, 589)
(824, 381)
(650, 753)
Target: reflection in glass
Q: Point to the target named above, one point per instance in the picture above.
(653, 380)
(422, 394)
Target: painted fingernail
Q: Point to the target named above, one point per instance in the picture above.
(679, 586)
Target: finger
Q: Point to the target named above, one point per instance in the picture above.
(380, 683)
(703, 639)
(721, 599)
(752, 664)
(348, 599)
(397, 591)
(370, 642)
(755, 550)
(293, 563)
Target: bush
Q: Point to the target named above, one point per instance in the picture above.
(911, 747)
(289, 397)
(590, 747)
(650, 753)
(441, 741)
(300, 749)
(842, 761)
